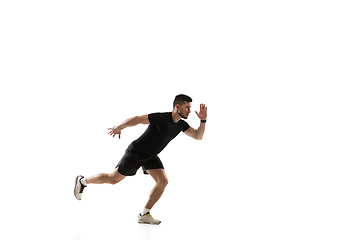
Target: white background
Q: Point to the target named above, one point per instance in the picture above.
(279, 159)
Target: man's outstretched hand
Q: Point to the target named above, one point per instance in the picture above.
(203, 112)
(113, 131)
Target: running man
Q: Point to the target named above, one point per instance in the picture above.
(163, 127)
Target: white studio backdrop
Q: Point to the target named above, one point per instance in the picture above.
(279, 159)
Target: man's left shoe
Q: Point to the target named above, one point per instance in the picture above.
(79, 187)
(148, 219)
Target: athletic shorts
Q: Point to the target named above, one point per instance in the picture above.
(131, 162)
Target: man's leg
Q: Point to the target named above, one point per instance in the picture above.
(81, 182)
(161, 180)
(112, 178)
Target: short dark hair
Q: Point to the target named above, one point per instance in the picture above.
(181, 99)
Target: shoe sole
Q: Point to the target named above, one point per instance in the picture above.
(76, 182)
(149, 223)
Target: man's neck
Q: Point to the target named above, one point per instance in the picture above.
(175, 116)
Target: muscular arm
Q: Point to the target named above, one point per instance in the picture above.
(134, 121)
(199, 133)
(130, 122)
(196, 133)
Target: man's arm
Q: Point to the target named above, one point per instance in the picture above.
(199, 133)
(144, 119)
(196, 133)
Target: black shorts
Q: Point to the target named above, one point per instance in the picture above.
(131, 162)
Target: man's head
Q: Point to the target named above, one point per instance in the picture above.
(182, 105)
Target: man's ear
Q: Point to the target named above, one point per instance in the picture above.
(177, 106)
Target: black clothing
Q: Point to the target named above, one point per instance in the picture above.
(131, 162)
(143, 151)
(159, 133)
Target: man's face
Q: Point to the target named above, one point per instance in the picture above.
(184, 110)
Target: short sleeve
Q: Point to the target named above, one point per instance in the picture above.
(184, 126)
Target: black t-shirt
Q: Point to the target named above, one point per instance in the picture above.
(159, 133)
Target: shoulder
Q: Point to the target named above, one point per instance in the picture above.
(160, 114)
(154, 118)
(183, 122)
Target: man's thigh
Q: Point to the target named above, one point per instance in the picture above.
(158, 174)
(115, 175)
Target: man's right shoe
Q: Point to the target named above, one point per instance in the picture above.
(148, 219)
(79, 187)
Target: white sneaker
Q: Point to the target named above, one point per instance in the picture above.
(79, 187)
(147, 218)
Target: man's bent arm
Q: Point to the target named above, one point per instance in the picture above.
(196, 133)
(199, 133)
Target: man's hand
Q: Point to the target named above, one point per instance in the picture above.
(203, 112)
(144, 119)
(115, 130)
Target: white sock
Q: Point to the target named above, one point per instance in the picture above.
(145, 211)
(83, 181)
